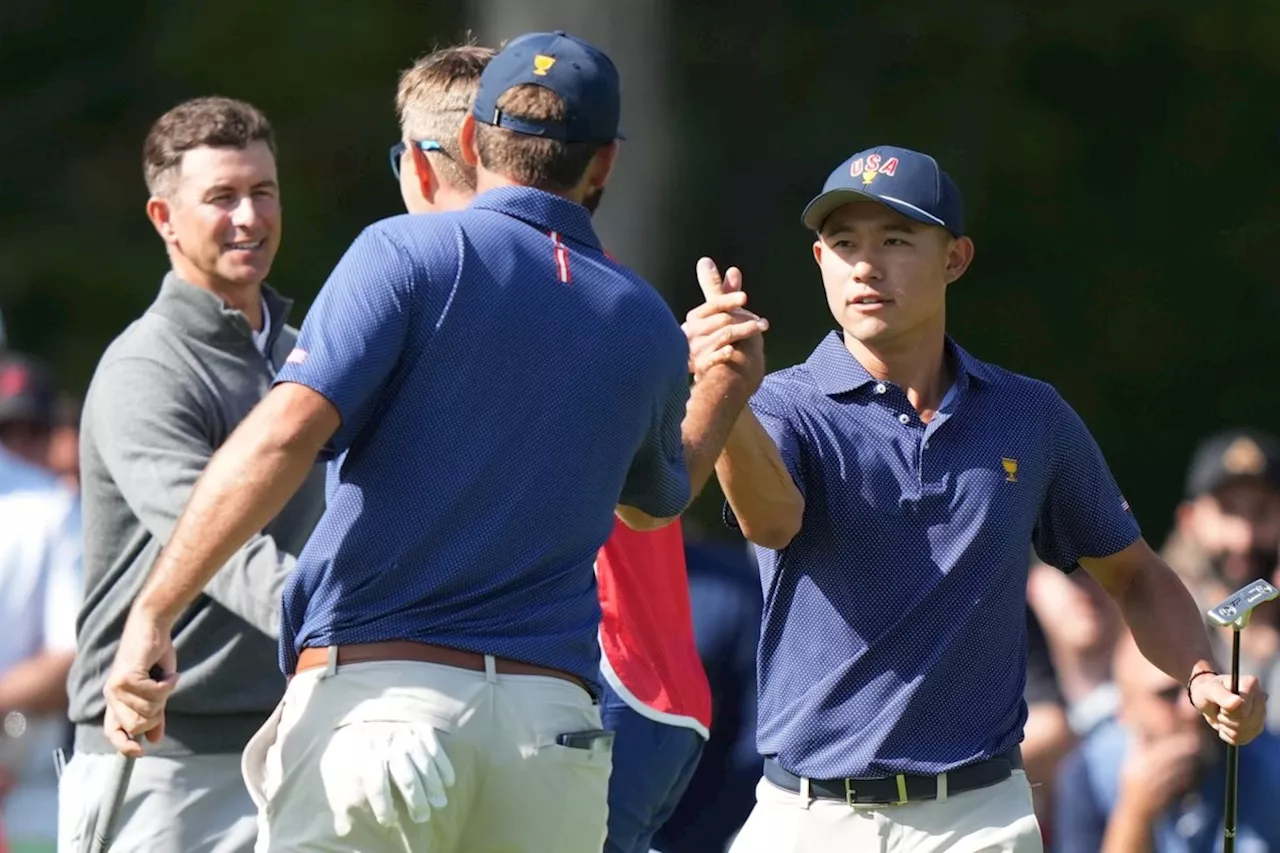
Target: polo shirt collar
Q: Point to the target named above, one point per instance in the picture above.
(203, 315)
(836, 371)
(543, 210)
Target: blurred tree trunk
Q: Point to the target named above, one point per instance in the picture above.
(632, 219)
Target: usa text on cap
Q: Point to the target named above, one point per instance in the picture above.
(907, 181)
(580, 73)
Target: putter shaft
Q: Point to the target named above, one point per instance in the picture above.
(1233, 759)
(1235, 613)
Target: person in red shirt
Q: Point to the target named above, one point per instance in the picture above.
(657, 697)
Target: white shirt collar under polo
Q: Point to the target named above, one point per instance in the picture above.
(260, 338)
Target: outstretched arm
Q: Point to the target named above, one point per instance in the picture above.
(246, 484)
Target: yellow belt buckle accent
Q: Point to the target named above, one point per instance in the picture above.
(902, 789)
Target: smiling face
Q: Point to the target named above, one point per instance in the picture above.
(886, 275)
(220, 218)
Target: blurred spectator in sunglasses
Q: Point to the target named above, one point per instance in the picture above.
(1227, 534)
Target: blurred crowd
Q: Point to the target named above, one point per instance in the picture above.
(1109, 738)
(40, 589)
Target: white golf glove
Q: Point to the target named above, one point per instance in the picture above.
(367, 764)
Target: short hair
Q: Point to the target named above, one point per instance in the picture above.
(212, 121)
(435, 95)
(534, 161)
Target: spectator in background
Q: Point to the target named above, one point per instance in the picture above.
(28, 405)
(724, 591)
(1152, 779)
(1046, 737)
(1072, 626)
(37, 423)
(1227, 534)
(64, 444)
(39, 598)
(1080, 624)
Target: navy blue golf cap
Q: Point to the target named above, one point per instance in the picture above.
(580, 73)
(907, 181)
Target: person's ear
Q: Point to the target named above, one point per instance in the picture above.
(467, 141)
(160, 212)
(428, 181)
(959, 257)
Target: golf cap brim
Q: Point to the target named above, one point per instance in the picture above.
(816, 212)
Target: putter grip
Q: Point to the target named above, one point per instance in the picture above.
(104, 831)
(112, 803)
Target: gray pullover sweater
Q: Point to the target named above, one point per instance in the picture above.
(166, 393)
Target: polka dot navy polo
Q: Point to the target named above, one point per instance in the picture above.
(503, 385)
(894, 626)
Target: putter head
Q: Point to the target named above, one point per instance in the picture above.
(1236, 610)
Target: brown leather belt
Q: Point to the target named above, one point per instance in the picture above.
(312, 658)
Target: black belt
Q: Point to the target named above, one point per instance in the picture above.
(902, 788)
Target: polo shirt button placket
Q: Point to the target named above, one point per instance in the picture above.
(904, 419)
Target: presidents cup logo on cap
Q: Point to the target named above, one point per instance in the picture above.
(1230, 455)
(903, 180)
(581, 74)
(1244, 457)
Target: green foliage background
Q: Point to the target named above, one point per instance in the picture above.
(1121, 167)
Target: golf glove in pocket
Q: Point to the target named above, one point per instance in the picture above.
(386, 769)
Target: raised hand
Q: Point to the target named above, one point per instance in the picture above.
(721, 332)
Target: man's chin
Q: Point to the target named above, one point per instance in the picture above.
(867, 331)
(245, 275)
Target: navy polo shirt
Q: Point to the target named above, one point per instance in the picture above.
(503, 385)
(894, 627)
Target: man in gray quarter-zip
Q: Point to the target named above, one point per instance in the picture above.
(166, 393)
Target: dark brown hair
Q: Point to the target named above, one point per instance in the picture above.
(213, 121)
(533, 160)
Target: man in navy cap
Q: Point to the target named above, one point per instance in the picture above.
(891, 485)
(28, 402)
(500, 388)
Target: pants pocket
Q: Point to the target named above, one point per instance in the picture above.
(256, 759)
(77, 807)
(582, 777)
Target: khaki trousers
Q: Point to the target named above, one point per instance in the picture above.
(517, 790)
(188, 804)
(995, 819)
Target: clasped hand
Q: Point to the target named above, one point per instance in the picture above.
(721, 332)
